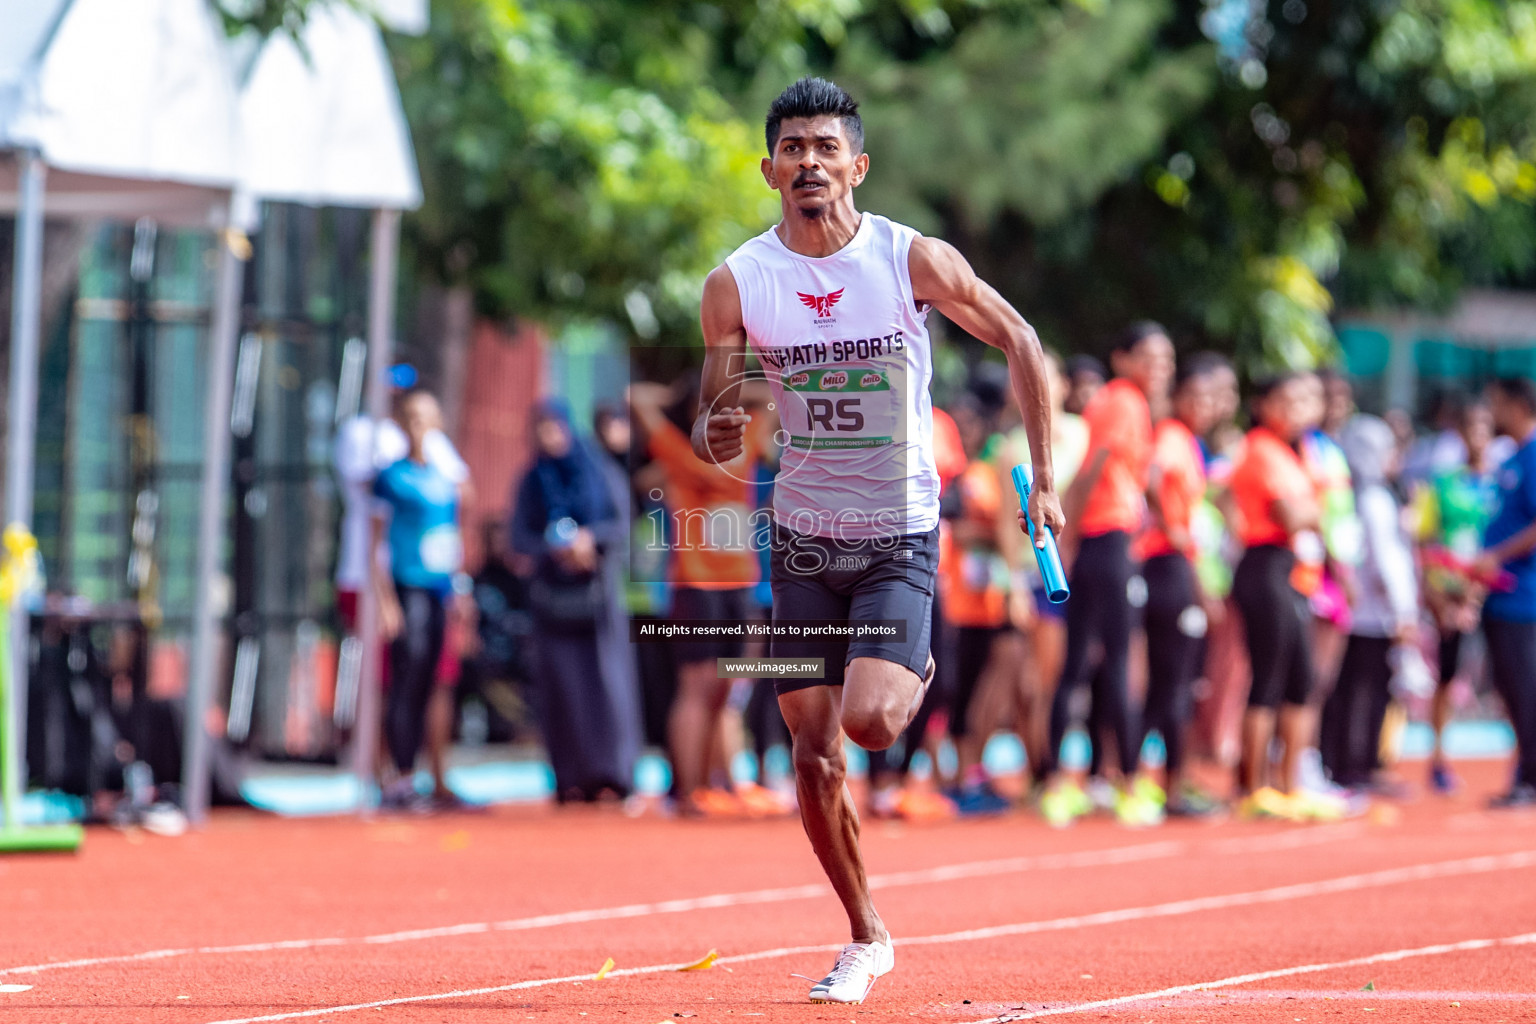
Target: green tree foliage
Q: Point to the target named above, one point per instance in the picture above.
(575, 163)
(1236, 170)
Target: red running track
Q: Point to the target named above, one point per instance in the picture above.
(506, 916)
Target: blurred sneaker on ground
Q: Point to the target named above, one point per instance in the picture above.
(1064, 803)
(1147, 789)
(883, 801)
(1102, 794)
(1135, 810)
(1192, 802)
(714, 803)
(1442, 780)
(1520, 795)
(923, 806)
(976, 799)
(761, 802)
(1266, 804)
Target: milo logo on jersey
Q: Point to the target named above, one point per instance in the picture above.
(837, 380)
(843, 408)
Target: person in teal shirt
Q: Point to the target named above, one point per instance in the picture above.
(417, 517)
(1453, 510)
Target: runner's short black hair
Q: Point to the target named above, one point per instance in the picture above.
(1138, 332)
(1517, 389)
(815, 97)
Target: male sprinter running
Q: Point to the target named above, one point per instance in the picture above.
(833, 302)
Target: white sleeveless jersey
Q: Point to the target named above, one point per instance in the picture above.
(847, 355)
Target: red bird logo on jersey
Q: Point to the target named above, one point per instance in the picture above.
(822, 304)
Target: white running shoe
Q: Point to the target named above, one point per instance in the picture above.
(854, 974)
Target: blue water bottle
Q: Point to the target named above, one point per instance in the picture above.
(1048, 558)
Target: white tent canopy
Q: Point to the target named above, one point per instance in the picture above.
(130, 108)
(324, 125)
(120, 91)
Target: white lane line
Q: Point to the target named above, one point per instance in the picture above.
(1284, 972)
(927, 876)
(1374, 879)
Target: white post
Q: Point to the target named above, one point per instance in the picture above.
(21, 440)
(381, 324)
(203, 677)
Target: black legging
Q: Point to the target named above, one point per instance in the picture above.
(1450, 654)
(1278, 627)
(413, 657)
(1098, 614)
(1350, 739)
(1175, 625)
(973, 649)
(1511, 653)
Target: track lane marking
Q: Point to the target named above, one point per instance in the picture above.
(1284, 972)
(1135, 853)
(1092, 858)
(1276, 894)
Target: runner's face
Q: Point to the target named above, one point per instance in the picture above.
(813, 164)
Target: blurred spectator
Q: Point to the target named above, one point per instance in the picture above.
(1175, 616)
(1385, 615)
(1445, 449)
(713, 571)
(362, 448)
(565, 521)
(1277, 502)
(974, 578)
(1509, 616)
(418, 517)
(1451, 511)
(1029, 611)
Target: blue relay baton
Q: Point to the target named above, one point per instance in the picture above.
(1048, 558)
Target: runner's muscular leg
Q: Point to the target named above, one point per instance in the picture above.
(814, 717)
(879, 699)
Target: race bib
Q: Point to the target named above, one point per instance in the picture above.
(845, 407)
(442, 553)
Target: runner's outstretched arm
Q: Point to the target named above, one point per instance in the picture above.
(719, 430)
(942, 278)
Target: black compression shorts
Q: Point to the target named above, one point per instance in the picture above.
(824, 580)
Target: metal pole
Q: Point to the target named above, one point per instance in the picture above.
(202, 680)
(381, 322)
(21, 439)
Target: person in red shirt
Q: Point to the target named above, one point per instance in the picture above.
(1175, 617)
(1277, 502)
(1105, 508)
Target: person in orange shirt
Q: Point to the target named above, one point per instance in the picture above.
(713, 571)
(1105, 508)
(1175, 616)
(973, 578)
(1277, 506)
